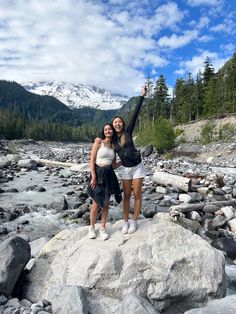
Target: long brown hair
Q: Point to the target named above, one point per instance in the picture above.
(122, 137)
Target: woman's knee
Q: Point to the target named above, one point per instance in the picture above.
(137, 196)
(94, 207)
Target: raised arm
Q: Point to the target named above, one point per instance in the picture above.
(134, 117)
(93, 156)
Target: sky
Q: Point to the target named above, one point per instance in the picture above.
(114, 44)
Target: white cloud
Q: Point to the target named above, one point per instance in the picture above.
(197, 63)
(228, 26)
(109, 44)
(203, 22)
(196, 3)
(229, 48)
(78, 40)
(175, 41)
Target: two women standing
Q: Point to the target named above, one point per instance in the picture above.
(132, 168)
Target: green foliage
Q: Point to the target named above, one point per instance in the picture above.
(164, 136)
(178, 132)
(207, 133)
(145, 135)
(169, 156)
(227, 132)
(14, 126)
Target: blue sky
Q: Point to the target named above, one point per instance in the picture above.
(113, 44)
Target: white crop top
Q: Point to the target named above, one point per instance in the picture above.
(105, 156)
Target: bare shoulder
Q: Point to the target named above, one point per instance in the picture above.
(98, 140)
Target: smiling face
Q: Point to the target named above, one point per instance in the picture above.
(118, 125)
(108, 131)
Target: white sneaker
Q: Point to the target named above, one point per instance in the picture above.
(125, 227)
(103, 233)
(133, 227)
(92, 232)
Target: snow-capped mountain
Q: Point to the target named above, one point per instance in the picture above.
(77, 95)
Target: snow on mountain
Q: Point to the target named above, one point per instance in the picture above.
(77, 95)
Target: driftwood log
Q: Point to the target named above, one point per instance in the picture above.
(165, 178)
(55, 163)
(83, 167)
(186, 208)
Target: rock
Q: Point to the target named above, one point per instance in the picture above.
(69, 299)
(149, 210)
(150, 264)
(185, 198)
(14, 303)
(210, 208)
(226, 305)
(232, 224)
(3, 230)
(29, 164)
(15, 253)
(135, 304)
(4, 162)
(203, 190)
(197, 197)
(219, 191)
(227, 245)
(194, 215)
(11, 190)
(37, 245)
(59, 204)
(3, 300)
(217, 221)
(228, 212)
(147, 151)
(161, 189)
(210, 160)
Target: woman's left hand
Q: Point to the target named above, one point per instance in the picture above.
(144, 91)
(93, 183)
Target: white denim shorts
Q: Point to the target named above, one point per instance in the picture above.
(136, 172)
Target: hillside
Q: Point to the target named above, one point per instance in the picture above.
(220, 153)
(36, 107)
(192, 130)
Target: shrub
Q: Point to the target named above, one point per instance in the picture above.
(227, 132)
(168, 156)
(207, 133)
(178, 132)
(164, 135)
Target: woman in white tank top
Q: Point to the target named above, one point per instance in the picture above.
(103, 181)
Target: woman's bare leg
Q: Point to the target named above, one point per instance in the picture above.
(104, 214)
(137, 188)
(127, 187)
(93, 213)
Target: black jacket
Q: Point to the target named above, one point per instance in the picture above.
(107, 184)
(128, 154)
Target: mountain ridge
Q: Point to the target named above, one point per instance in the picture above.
(77, 95)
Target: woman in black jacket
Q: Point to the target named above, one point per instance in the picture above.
(133, 172)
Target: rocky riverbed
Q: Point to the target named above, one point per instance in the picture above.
(43, 191)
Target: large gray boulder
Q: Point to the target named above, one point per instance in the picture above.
(226, 305)
(136, 304)
(14, 255)
(161, 262)
(29, 164)
(69, 299)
